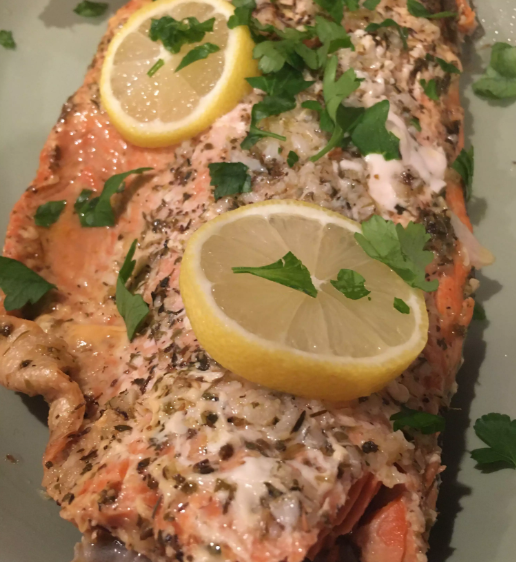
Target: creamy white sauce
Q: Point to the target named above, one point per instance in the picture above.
(381, 180)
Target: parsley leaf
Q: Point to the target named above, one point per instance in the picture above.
(499, 80)
(350, 284)
(174, 34)
(497, 431)
(333, 37)
(288, 271)
(200, 52)
(20, 284)
(352, 5)
(430, 89)
(447, 66)
(288, 82)
(48, 213)
(273, 55)
(371, 4)
(7, 39)
(98, 211)
(399, 248)
(401, 306)
(465, 165)
(333, 7)
(88, 9)
(479, 313)
(292, 159)
(83, 197)
(132, 308)
(417, 9)
(155, 67)
(229, 178)
(371, 136)
(422, 421)
(270, 105)
(243, 12)
(389, 22)
(414, 121)
(334, 92)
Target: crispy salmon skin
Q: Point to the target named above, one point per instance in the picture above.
(154, 442)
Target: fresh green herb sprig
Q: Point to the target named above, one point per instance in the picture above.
(498, 432)
(292, 159)
(465, 165)
(229, 178)
(88, 9)
(173, 33)
(132, 308)
(20, 284)
(7, 40)
(417, 9)
(499, 80)
(401, 306)
(402, 249)
(448, 67)
(421, 421)
(351, 284)
(200, 52)
(430, 89)
(389, 22)
(48, 213)
(98, 211)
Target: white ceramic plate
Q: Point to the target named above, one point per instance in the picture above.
(478, 519)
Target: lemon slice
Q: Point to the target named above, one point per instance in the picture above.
(171, 106)
(329, 347)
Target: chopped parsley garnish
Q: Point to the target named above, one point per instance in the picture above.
(448, 67)
(88, 9)
(273, 55)
(430, 88)
(479, 313)
(155, 67)
(498, 432)
(229, 178)
(417, 9)
(350, 284)
(83, 197)
(352, 5)
(132, 308)
(465, 165)
(371, 136)
(48, 213)
(401, 306)
(292, 159)
(389, 22)
(499, 80)
(335, 8)
(399, 248)
(200, 52)
(20, 284)
(422, 421)
(288, 271)
(335, 91)
(243, 12)
(7, 39)
(414, 121)
(371, 4)
(98, 211)
(332, 36)
(176, 33)
(288, 82)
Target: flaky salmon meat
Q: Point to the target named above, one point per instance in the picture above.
(152, 441)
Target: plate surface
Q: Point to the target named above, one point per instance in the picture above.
(478, 510)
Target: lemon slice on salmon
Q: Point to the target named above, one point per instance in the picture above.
(169, 105)
(328, 347)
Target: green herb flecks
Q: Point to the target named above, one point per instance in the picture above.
(200, 52)
(414, 121)
(243, 12)
(176, 33)
(229, 178)
(417, 9)
(335, 8)
(98, 211)
(155, 67)
(90, 9)
(288, 271)
(402, 249)
(498, 432)
(371, 4)
(132, 308)
(422, 421)
(292, 159)
(430, 89)
(20, 284)
(7, 39)
(465, 165)
(288, 82)
(48, 213)
(401, 306)
(351, 284)
(448, 67)
(402, 31)
(499, 80)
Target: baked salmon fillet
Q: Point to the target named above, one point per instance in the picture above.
(152, 441)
